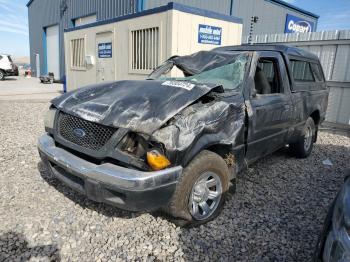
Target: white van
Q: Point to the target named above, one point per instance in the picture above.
(7, 67)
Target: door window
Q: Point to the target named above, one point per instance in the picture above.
(301, 71)
(316, 69)
(267, 77)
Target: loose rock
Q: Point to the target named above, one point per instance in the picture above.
(276, 214)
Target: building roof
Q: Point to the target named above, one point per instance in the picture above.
(169, 6)
(279, 2)
(289, 50)
(293, 7)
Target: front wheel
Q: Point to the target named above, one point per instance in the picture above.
(201, 190)
(303, 147)
(2, 75)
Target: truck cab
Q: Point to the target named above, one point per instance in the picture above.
(286, 86)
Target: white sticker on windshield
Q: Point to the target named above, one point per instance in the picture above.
(184, 85)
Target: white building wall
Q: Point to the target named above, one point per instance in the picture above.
(178, 33)
(185, 33)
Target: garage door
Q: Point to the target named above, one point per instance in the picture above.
(52, 52)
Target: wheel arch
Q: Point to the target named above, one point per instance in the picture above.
(233, 158)
(315, 115)
(218, 148)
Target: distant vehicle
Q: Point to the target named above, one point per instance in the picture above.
(334, 241)
(7, 67)
(175, 143)
(47, 79)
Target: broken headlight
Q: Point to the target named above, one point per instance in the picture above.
(139, 146)
(133, 144)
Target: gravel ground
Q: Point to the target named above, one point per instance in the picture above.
(275, 215)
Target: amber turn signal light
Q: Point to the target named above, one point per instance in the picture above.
(156, 160)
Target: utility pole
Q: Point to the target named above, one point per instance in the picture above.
(253, 21)
(63, 7)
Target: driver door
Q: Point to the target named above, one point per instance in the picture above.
(270, 106)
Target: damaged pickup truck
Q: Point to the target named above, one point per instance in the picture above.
(176, 143)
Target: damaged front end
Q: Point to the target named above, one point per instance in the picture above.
(163, 121)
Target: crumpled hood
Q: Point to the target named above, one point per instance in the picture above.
(141, 106)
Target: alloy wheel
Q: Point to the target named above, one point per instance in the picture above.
(205, 196)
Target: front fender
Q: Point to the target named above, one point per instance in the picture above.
(202, 126)
(235, 148)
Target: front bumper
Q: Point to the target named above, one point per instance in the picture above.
(123, 187)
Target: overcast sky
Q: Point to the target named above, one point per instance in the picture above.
(334, 14)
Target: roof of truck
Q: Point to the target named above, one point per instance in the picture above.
(289, 50)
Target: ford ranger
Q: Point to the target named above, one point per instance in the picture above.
(176, 143)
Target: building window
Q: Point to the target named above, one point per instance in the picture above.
(78, 53)
(145, 49)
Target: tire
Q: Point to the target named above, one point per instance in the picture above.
(303, 147)
(327, 226)
(2, 75)
(193, 188)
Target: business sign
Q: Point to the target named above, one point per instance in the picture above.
(105, 50)
(296, 24)
(208, 34)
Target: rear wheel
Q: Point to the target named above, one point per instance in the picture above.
(201, 191)
(2, 75)
(303, 147)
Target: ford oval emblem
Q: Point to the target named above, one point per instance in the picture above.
(78, 132)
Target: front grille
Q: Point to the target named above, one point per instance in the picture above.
(83, 133)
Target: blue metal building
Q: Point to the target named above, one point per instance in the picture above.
(49, 18)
